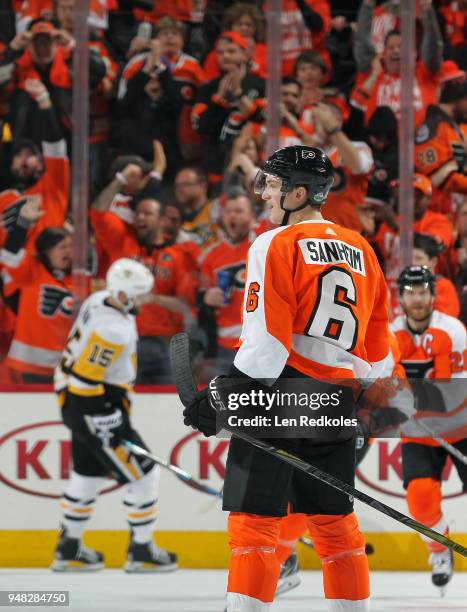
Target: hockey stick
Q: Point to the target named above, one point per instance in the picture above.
(452, 450)
(185, 476)
(186, 386)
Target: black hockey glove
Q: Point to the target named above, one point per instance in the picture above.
(200, 415)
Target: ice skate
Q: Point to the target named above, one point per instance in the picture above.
(289, 577)
(443, 569)
(148, 558)
(72, 556)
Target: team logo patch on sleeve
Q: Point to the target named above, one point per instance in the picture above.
(422, 134)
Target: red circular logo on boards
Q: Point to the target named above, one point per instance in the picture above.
(36, 459)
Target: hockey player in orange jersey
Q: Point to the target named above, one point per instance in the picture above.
(315, 307)
(432, 345)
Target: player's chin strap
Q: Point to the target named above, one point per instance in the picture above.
(287, 211)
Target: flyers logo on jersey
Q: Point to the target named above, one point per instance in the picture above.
(53, 300)
(237, 273)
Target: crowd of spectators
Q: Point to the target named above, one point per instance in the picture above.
(177, 130)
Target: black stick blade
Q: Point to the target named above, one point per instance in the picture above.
(180, 360)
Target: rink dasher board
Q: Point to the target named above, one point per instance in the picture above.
(35, 464)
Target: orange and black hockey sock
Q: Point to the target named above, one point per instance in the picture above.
(341, 547)
(254, 569)
(424, 501)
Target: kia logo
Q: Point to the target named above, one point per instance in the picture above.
(36, 459)
(202, 457)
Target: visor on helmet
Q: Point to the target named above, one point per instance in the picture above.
(409, 286)
(261, 181)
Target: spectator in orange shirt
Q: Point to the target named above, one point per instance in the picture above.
(38, 288)
(352, 163)
(44, 53)
(292, 130)
(440, 143)
(454, 20)
(425, 222)
(305, 24)
(42, 171)
(309, 72)
(175, 280)
(385, 89)
(247, 20)
(223, 269)
(176, 9)
(225, 104)
(425, 253)
(102, 94)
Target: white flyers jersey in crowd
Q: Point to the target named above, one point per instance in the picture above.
(101, 349)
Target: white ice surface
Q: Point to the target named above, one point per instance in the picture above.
(203, 591)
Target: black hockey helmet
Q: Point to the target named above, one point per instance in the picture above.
(298, 165)
(416, 275)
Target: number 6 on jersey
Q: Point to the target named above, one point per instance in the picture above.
(332, 316)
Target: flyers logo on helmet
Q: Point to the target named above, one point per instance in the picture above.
(53, 300)
(308, 154)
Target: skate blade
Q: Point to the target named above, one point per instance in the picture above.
(288, 584)
(140, 567)
(75, 566)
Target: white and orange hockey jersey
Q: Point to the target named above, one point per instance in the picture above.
(438, 352)
(316, 300)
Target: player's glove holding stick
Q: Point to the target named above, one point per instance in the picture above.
(202, 412)
(200, 415)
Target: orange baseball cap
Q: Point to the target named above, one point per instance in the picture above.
(420, 181)
(423, 183)
(450, 71)
(42, 27)
(234, 37)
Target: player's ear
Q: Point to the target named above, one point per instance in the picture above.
(299, 192)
